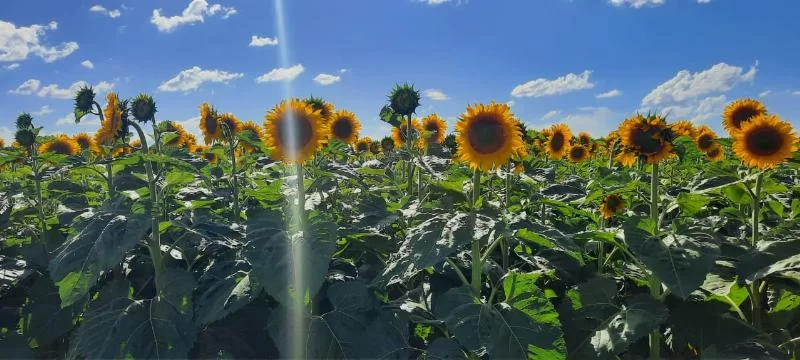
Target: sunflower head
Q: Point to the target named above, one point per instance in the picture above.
(375, 148)
(404, 99)
(84, 99)
(626, 158)
(295, 131)
(387, 144)
(559, 137)
(612, 204)
(2, 143)
(229, 125)
(84, 141)
(61, 144)
(256, 133)
(344, 125)
(683, 128)
(325, 108)
(705, 138)
(209, 124)
(577, 153)
(181, 136)
(716, 153)
(585, 139)
(143, 108)
(434, 129)
(210, 157)
(740, 112)
(647, 136)
(363, 144)
(111, 128)
(401, 133)
(764, 141)
(487, 136)
(25, 137)
(24, 121)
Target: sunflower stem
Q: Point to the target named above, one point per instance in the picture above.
(477, 263)
(301, 196)
(755, 292)
(601, 248)
(410, 182)
(237, 212)
(110, 178)
(37, 178)
(655, 283)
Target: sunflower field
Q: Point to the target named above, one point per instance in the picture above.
(294, 237)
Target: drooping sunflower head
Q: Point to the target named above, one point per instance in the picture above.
(577, 153)
(363, 144)
(143, 108)
(434, 128)
(387, 144)
(626, 158)
(209, 124)
(404, 99)
(84, 141)
(84, 99)
(181, 137)
(295, 131)
(325, 108)
(344, 125)
(111, 128)
(740, 112)
(558, 142)
(647, 136)
(612, 204)
(401, 133)
(705, 138)
(764, 141)
(256, 133)
(61, 144)
(716, 153)
(683, 128)
(229, 125)
(585, 139)
(24, 121)
(487, 136)
(375, 148)
(25, 138)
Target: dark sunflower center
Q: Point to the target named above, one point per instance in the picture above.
(362, 146)
(557, 142)
(585, 141)
(60, 147)
(705, 141)
(645, 142)
(486, 135)
(614, 203)
(302, 132)
(342, 129)
(742, 115)
(763, 141)
(211, 124)
(713, 152)
(83, 143)
(577, 152)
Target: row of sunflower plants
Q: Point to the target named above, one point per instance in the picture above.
(298, 238)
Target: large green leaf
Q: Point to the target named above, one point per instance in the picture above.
(45, 319)
(769, 257)
(99, 242)
(701, 325)
(444, 349)
(222, 289)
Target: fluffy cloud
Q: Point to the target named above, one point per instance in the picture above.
(326, 79)
(44, 110)
(282, 74)
(561, 85)
(703, 1)
(87, 64)
(86, 120)
(435, 94)
(194, 12)
(256, 41)
(192, 78)
(686, 85)
(637, 3)
(31, 86)
(765, 93)
(597, 121)
(609, 94)
(102, 10)
(697, 111)
(26, 88)
(16, 43)
(551, 114)
(11, 66)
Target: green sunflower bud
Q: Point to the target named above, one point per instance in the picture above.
(84, 100)
(24, 121)
(143, 108)
(325, 108)
(25, 137)
(387, 144)
(404, 99)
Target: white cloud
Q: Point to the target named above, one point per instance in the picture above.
(765, 93)
(102, 10)
(435, 2)
(11, 66)
(609, 94)
(87, 64)
(685, 85)
(637, 3)
(796, 93)
(551, 114)
(326, 79)
(256, 41)
(194, 12)
(510, 103)
(86, 120)
(342, 71)
(597, 121)
(703, 1)
(26, 88)
(192, 78)
(282, 74)
(435, 94)
(697, 111)
(192, 125)
(16, 43)
(561, 85)
(53, 91)
(44, 110)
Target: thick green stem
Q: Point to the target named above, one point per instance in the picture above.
(477, 264)
(409, 140)
(601, 248)
(655, 283)
(37, 178)
(234, 184)
(155, 238)
(301, 196)
(110, 178)
(755, 290)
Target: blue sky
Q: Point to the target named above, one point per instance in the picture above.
(588, 63)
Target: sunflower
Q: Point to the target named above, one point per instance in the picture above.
(683, 128)
(519, 168)
(2, 143)
(229, 125)
(210, 157)
(182, 137)
(209, 124)
(715, 153)
(577, 153)
(404, 99)
(344, 125)
(363, 144)
(487, 136)
(307, 127)
(256, 133)
(387, 144)
(741, 111)
(400, 133)
(764, 142)
(558, 141)
(325, 108)
(585, 139)
(375, 148)
(647, 136)
(435, 128)
(61, 144)
(626, 158)
(612, 204)
(84, 140)
(705, 138)
(134, 145)
(111, 128)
